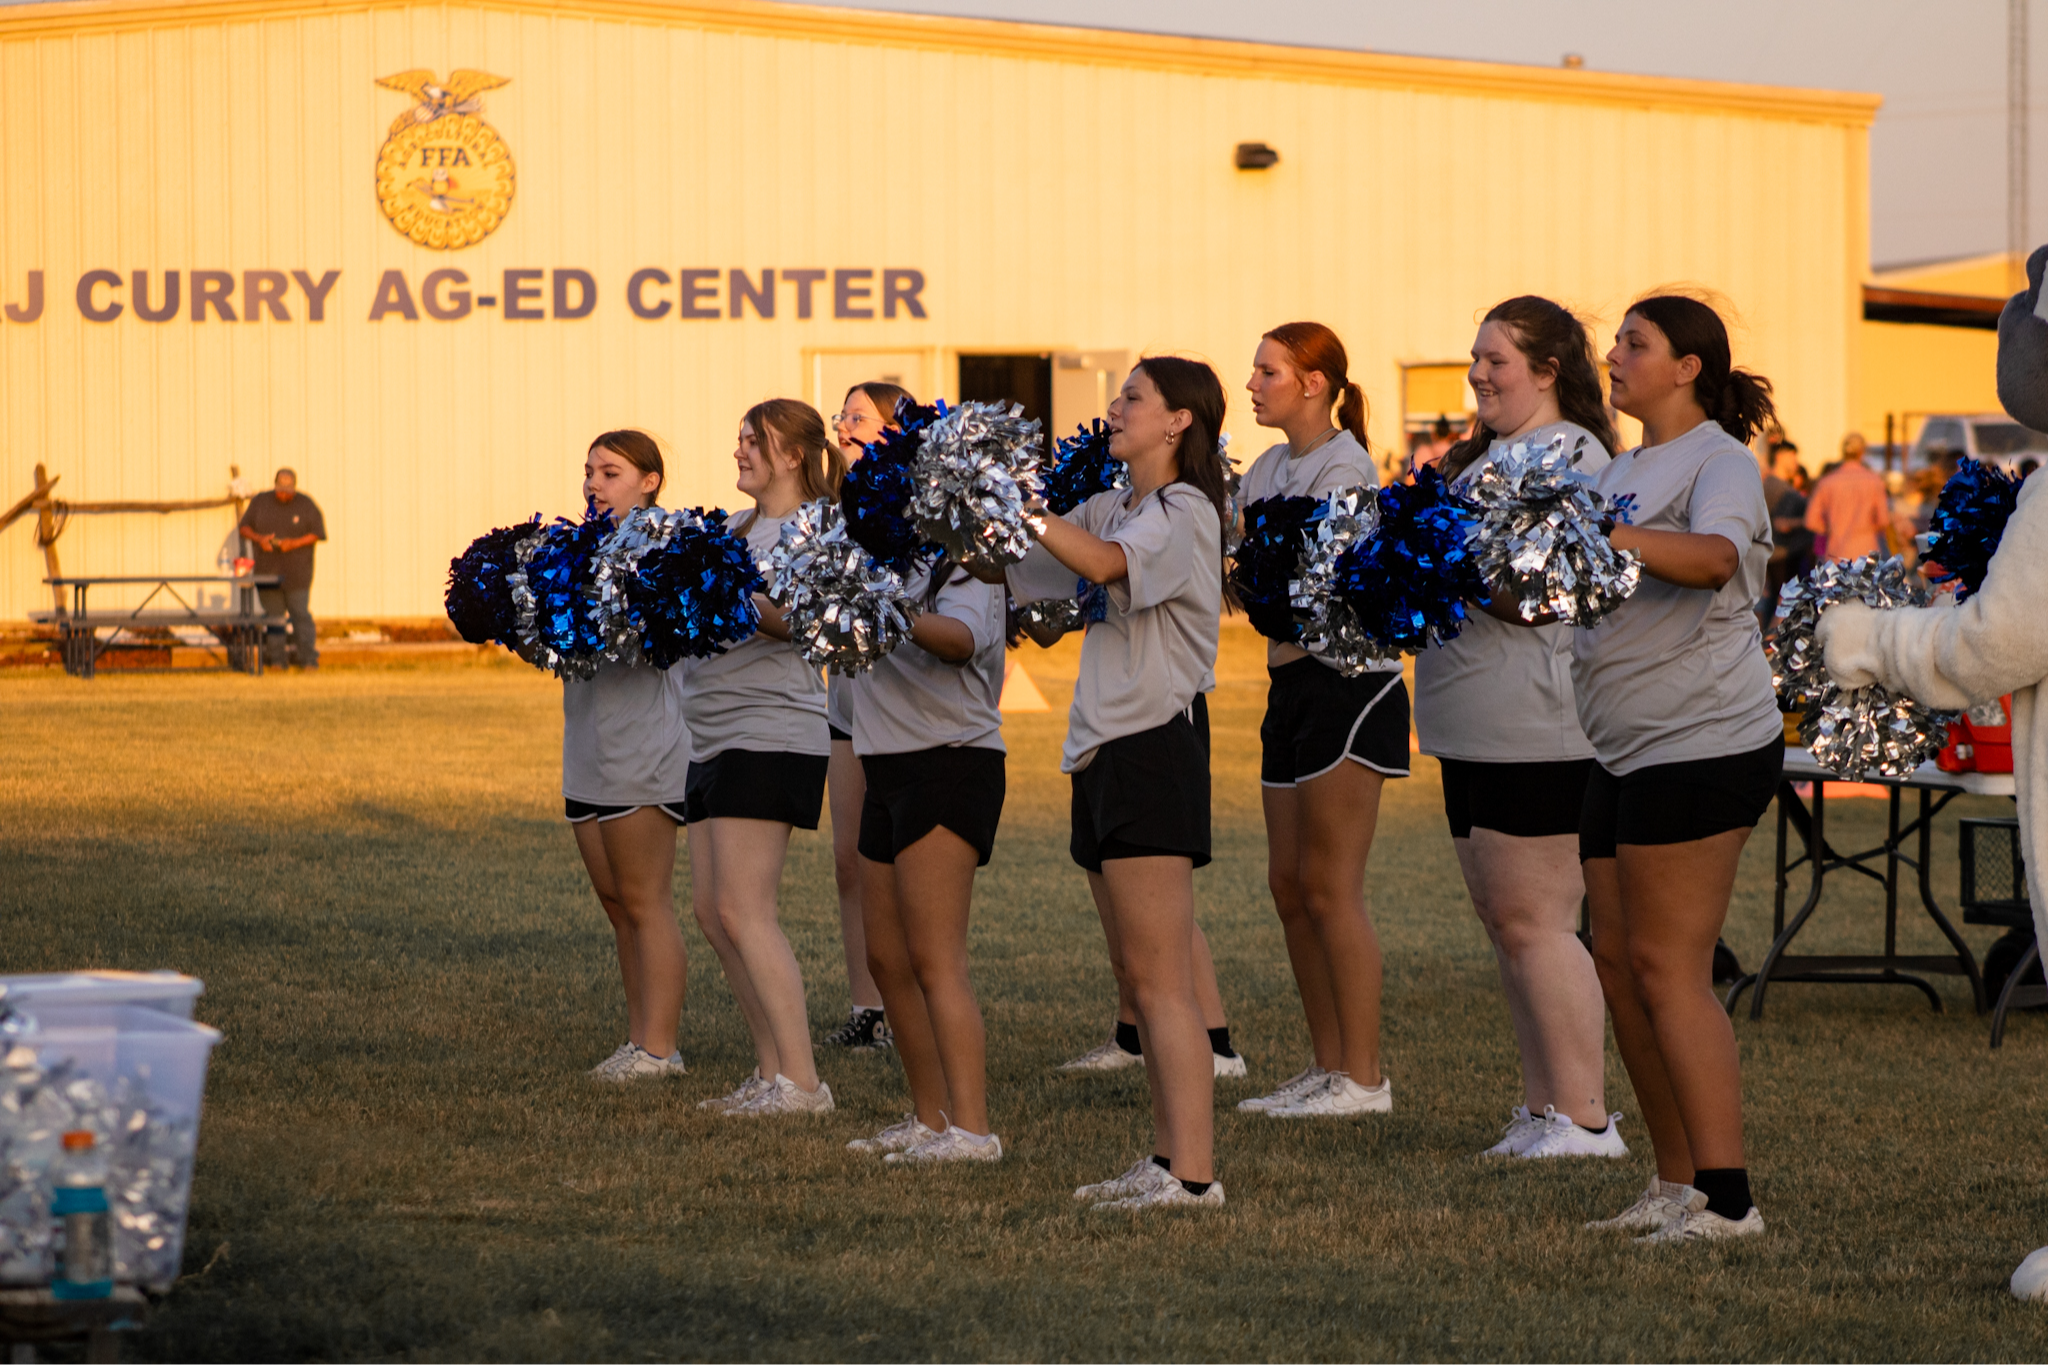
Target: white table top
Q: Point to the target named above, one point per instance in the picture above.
(1800, 764)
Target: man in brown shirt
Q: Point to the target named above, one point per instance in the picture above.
(1850, 511)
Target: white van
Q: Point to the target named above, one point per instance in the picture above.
(1991, 437)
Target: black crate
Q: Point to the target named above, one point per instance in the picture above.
(1994, 875)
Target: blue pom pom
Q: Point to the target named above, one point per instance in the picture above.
(875, 496)
(694, 595)
(1082, 467)
(479, 599)
(1276, 530)
(1968, 522)
(1409, 582)
(566, 633)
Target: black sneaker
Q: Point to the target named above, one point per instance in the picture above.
(863, 1031)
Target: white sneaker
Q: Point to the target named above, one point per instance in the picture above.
(895, 1138)
(610, 1064)
(1523, 1128)
(1661, 1201)
(783, 1096)
(1172, 1194)
(1108, 1057)
(1695, 1223)
(638, 1064)
(955, 1144)
(1227, 1068)
(748, 1091)
(1338, 1096)
(1142, 1176)
(2030, 1281)
(1288, 1091)
(1561, 1136)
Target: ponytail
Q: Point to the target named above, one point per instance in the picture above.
(1315, 349)
(1739, 401)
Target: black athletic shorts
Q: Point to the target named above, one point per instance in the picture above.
(579, 811)
(1316, 718)
(839, 736)
(1146, 795)
(748, 784)
(910, 795)
(1674, 803)
(1522, 800)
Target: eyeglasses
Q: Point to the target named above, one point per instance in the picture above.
(852, 419)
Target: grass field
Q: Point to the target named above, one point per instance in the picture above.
(400, 1160)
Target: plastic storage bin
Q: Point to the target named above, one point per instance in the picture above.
(169, 992)
(134, 1075)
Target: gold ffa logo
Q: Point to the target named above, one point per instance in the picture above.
(444, 177)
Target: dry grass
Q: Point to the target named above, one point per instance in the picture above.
(370, 872)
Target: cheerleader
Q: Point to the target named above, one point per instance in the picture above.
(1328, 744)
(1675, 695)
(625, 757)
(758, 756)
(1494, 707)
(1137, 740)
(864, 414)
(928, 730)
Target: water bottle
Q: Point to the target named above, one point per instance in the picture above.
(85, 1260)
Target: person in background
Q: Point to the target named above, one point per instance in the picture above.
(283, 525)
(1849, 509)
(1791, 542)
(1427, 452)
(864, 414)
(2027, 468)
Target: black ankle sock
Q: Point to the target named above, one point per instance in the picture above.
(1726, 1189)
(1164, 1163)
(1601, 1129)
(1127, 1038)
(1219, 1041)
(1197, 1188)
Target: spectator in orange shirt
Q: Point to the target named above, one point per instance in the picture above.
(1849, 510)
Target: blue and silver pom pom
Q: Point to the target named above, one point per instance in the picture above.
(1330, 628)
(1409, 581)
(1081, 467)
(876, 494)
(1268, 560)
(559, 626)
(978, 473)
(674, 585)
(479, 600)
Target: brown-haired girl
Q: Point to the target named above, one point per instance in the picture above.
(758, 756)
(625, 758)
(1137, 744)
(864, 414)
(1675, 695)
(1329, 743)
(1495, 708)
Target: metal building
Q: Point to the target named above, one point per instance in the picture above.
(422, 252)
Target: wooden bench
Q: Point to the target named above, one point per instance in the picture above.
(239, 627)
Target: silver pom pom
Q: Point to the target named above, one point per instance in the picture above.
(1538, 536)
(844, 610)
(1233, 495)
(1349, 515)
(978, 473)
(1868, 729)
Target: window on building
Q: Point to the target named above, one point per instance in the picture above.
(1025, 379)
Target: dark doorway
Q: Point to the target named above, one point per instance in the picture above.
(1025, 379)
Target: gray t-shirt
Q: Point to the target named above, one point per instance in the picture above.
(1676, 674)
(1502, 693)
(759, 694)
(1340, 462)
(1146, 660)
(624, 740)
(911, 700)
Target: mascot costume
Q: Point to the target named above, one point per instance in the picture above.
(1991, 645)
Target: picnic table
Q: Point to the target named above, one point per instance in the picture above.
(239, 626)
(1933, 789)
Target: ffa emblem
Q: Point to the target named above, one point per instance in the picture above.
(444, 177)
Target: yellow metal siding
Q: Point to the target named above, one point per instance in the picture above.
(1055, 198)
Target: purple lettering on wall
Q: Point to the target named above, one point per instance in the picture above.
(142, 308)
(34, 308)
(902, 286)
(454, 305)
(212, 287)
(518, 291)
(393, 296)
(696, 286)
(636, 299)
(848, 286)
(98, 279)
(586, 289)
(742, 291)
(803, 280)
(316, 294)
(263, 289)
